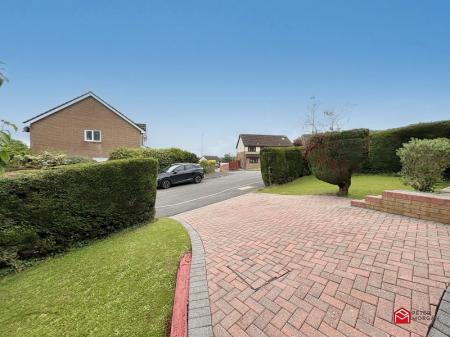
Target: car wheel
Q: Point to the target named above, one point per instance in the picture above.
(197, 179)
(165, 184)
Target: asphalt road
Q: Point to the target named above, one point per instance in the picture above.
(182, 198)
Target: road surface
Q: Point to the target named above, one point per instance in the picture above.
(182, 198)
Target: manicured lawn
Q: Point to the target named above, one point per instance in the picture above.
(120, 286)
(362, 185)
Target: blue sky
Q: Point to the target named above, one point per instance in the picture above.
(220, 68)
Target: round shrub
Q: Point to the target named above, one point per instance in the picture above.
(334, 156)
(424, 162)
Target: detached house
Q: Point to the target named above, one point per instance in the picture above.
(248, 148)
(84, 126)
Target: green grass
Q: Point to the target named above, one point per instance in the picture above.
(362, 185)
(119, 286)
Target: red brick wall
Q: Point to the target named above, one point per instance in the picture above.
(424, 206)
(64, 130)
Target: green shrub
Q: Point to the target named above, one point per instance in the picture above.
(383, 144)
(5, 142)
(228, 157)
(334, 156)
(47, 211)
(424, 162)
(126, 153)
(280, 165)
(45, 160)
(165, 157)
(209, 166)
(17, 148)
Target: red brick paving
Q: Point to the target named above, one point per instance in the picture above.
(314, 266)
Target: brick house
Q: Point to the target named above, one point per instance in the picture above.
(248, 148)
(84, 126)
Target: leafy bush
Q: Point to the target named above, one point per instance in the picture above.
(383, 144)
(5, 142)
(424, 162)
(298, 141)
(228, 157)
(208, 166)
(16, 147)
(334, 156)
(165, 157)
(280, 165)
(45, 160)
(49, 210)
(126, 153)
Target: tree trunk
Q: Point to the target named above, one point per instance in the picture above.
(343, 188)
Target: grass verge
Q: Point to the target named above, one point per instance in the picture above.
(119, 286)
(362, 185)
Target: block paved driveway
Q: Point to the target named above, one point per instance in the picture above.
(314, 266)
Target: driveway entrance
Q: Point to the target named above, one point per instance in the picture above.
(315, 266)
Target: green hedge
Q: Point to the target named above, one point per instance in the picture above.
(50, 210)
(280, 165)
(165, 157)
(383, 144)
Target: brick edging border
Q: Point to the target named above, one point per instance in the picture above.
(180, 301)
(199, 310)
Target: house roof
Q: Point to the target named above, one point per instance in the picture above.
(216, 158)
(264, 140)
(141, 127)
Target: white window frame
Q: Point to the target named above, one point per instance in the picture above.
(92, 140)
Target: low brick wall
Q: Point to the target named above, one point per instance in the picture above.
(419, 205)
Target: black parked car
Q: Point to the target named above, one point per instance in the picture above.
(180, 173)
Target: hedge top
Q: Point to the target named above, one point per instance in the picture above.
(427, 130)
(383, 144)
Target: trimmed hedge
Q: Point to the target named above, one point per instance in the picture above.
(384, 144)
(280, 165)
(335, 156)
(165, 157)
(50, 210)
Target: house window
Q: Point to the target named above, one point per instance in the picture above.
(252, 149)
(254, 160)
(92, 136)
